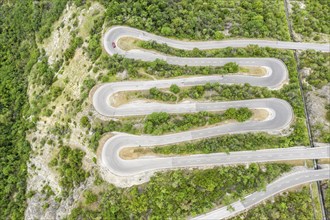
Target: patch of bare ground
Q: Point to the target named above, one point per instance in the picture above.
(128, 43)
(252, 71)
(131, 153)
(119, 99)
(259, 114)
(324, 161)
(305, 163)
(293, 162)
(122, 98)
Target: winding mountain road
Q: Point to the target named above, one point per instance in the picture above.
(121, 167)
(117, 32)
(280, 113)
(280, 185)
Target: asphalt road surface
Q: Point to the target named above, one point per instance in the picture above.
(117, 32)
(121, 167)
(280, 114)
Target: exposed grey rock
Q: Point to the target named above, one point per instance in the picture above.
(122, 75)
(316, 102)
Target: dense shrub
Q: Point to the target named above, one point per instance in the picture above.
(20, 20)
(68, 163)
(313, 17)
(289, 205)
(181, 193)
(159, 123)
(202, 19)
(318, 62)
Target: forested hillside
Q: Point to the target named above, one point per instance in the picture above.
(310, 19)
(17, 55)
(210, 19)
(20, 20)
(290, 205)
(179, 193)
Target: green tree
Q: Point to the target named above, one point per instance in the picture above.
(218, 35)
(90, 197)
(167, 31)
(84, 122)
(175, 89)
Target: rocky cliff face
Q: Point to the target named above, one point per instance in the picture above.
(45, 200)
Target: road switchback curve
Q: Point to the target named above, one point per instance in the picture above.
(280, 114)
